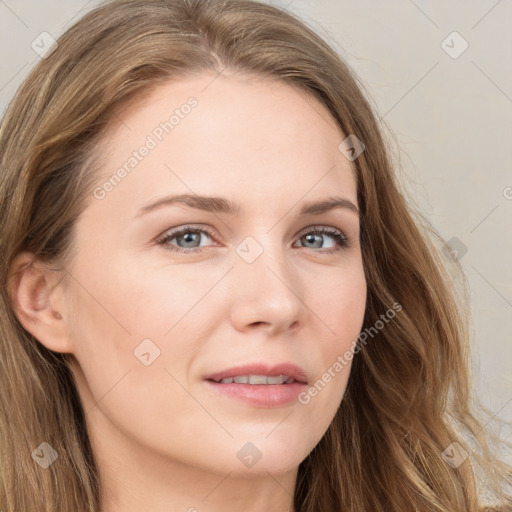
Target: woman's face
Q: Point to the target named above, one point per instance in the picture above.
(153, 313)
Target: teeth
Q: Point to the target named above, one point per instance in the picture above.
(279, 379)
(258, 379)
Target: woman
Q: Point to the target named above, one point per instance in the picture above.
(252, 371)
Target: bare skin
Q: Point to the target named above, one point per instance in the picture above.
(165, 440)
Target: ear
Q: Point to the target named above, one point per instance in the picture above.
(38, 301)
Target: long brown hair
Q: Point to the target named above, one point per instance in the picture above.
(408, 397)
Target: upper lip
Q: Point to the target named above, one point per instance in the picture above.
(288, 369)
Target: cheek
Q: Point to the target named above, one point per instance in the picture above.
(127, 372)
(160, 301)
(340, 308)
(338, 301)
(138, 322)
(124, 302)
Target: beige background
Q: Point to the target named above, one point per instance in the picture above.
(451, 116)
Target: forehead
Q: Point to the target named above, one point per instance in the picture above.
(225, 132)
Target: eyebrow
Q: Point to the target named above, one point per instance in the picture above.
(217, 204)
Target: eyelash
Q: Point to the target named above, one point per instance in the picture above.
(334, 233)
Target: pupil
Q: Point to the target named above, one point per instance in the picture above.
(311, 238)
(190, 237)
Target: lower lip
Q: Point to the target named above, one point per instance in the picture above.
(261, 395)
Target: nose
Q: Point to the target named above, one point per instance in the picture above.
(268, 296)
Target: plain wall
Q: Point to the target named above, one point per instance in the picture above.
(451, 115)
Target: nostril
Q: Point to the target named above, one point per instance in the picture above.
(257, 324)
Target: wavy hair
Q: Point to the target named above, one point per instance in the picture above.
(409, 394)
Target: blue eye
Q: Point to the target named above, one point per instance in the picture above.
(337, 235)
(192, 236)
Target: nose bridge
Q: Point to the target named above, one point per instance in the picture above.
(268, 260)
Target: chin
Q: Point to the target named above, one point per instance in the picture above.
(257, 455)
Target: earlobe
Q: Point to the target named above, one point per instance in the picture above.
(35, 302)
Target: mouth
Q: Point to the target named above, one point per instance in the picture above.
(256, 379)
(259, 385)
(260, 374)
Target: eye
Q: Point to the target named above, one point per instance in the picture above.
(320, 231)
(191, 236)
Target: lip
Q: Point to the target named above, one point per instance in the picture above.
(261, 395)
(289, 369)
